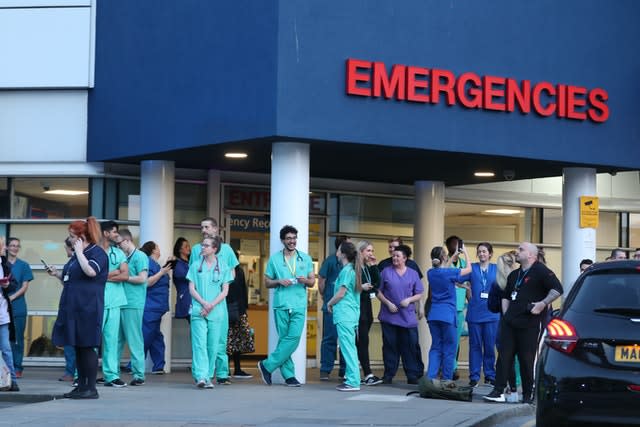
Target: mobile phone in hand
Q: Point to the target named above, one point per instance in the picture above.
(460, 245)
(46, 266)
(171, 263)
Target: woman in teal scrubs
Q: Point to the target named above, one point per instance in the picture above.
(345, 307)
(209, 280)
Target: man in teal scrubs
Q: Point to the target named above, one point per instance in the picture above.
(135, 289)
(209, 228)
(22, 275)
(289, 272)
(114, 299)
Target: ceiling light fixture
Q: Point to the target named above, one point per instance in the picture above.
(235, 155)
(485, 174)
(66, 192)
(503, 211)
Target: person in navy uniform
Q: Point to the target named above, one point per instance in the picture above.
(81, 309)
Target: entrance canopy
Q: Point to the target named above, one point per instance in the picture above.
(383, 91)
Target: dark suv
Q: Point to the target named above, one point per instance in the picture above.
(588, 370)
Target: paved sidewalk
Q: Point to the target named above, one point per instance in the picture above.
(173, 400)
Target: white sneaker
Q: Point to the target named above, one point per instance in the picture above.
(495, 396)
(201, 383)
(512, 397)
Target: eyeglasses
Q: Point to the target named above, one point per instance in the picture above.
(205, 245)
(290, 239)
(15, 246)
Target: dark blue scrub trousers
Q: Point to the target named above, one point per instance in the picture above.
(442, 354)
(153, 338)
(397, 342)
(482, 343)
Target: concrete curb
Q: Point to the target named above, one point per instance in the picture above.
(17, 397)
(511, 412)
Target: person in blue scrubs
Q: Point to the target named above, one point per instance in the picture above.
(483, 324)
(209, 285)
(181, 252)
(442, 317)
(21, 276)
(345, 308)
(290, 273)
(156, 305)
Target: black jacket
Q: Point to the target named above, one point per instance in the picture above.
(6, 267)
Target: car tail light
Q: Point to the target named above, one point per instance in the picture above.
(633, 387)
(561, 335)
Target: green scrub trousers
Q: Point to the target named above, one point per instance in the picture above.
(347, 340)
(206, 337)
(131, 332)
(289, 324)
(110, 336)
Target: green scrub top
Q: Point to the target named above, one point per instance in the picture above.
(347, 310)
(208, 282)
(225, 254)
(294, 296)
(114, 295)
(461, 293)
(136, 292)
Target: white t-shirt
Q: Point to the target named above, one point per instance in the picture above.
(4, 305)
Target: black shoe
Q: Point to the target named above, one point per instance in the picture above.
(14, 387)
(118, 383)
(292, 382)
(495, 396)
(71, 393)
(412, 381)
(224, 381)
(527, 399)
(474, 383)
(137, 382)
(387, 380)
(87, 394)
(99, 380)
(266, 375)
(456, 376)
(242, 374)
(158, 372)
(490, 381)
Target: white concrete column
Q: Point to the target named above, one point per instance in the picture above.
(428, 231)
(157, 188)
(289, 205)
(577, 243)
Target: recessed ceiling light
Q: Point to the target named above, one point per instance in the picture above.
(484, 174)
(503, 211)
(235, 155)
(66, 192)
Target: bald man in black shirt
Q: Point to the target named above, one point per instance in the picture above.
(530, 289)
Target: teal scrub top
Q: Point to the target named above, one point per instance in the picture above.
(225, 254)
(136, 292)
(21, 272)
(292, 297)
(114, 295)
(347, 310)
(208, 281)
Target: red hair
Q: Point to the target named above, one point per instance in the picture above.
(88, 229)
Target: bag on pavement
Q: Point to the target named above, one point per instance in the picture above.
(448, 390)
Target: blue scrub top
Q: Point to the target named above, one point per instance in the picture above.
(478, 310)
(158, 294)
(183, 297)
(442, 282)
(21, 272)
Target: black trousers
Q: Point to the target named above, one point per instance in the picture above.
(522, 342)
(362, 339)
(87, 365)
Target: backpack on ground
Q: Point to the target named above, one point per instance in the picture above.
(437, 389)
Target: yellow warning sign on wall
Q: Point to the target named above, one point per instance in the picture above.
(589, 212)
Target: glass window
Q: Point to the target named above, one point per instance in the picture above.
(128, 199)
(375, 215)
(190, 203)
(606, 233)
(4, 198)
(634, 230)
(477, 223)
(50, 198)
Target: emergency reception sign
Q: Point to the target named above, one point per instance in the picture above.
(589, 212)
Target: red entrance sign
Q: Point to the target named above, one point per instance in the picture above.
(426, 85)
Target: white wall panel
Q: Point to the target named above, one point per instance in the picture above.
(45, 47)
(43, 126)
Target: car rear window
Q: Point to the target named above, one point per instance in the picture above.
(605, 290)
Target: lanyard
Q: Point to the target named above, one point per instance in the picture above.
(365, 271)
(483, 277)
(520, 279)
(292, 270)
